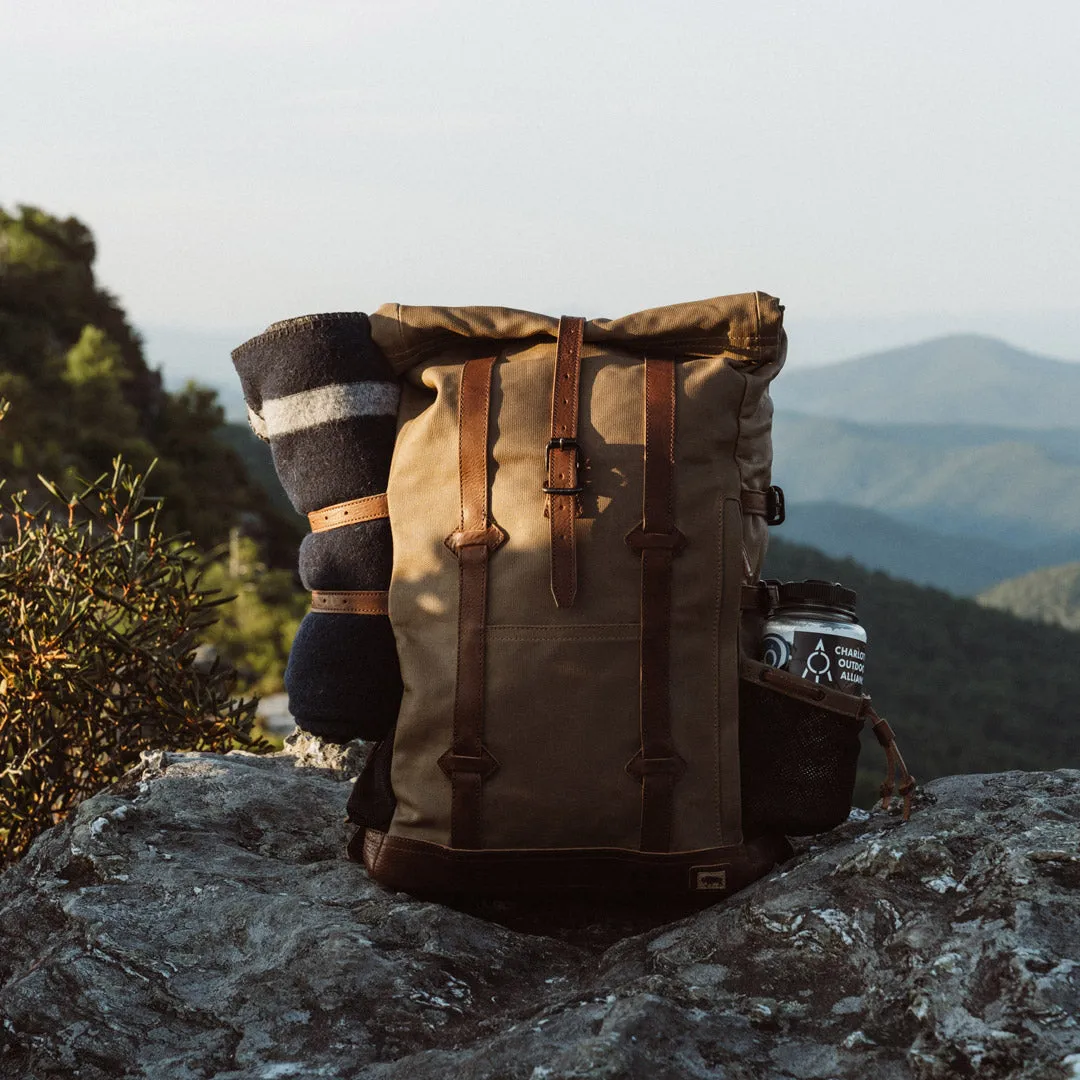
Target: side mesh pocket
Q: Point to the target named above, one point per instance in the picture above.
(798, 747)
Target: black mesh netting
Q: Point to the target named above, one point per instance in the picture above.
(798, 763)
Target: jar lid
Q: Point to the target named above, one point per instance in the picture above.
(816, 593)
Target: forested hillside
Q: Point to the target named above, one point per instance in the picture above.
(967, 689)
(963, 565)
(81, 393)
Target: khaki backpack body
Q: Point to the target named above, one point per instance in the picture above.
(575, 507)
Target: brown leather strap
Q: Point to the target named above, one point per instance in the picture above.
(768, 504)
(356, 602)
(894, 762)
(755, 502)
(467, 763)
(823, 697)
(657, 540)
(727, 671)
(369, 508)
(564, 461)
(762, 597)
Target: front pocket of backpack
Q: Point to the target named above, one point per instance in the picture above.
(797, 760)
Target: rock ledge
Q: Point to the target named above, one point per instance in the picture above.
(199, 920)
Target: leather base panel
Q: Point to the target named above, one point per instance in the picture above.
(427, 869)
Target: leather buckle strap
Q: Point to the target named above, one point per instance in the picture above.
(564, 461)
(468, 763)
(369, 508)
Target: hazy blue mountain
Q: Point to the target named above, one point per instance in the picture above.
(818, 339)
(1003, 485)
(964, 378)
(964, 565)
(1050, 595)
(199, 356)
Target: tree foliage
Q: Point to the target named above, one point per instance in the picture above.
(73, 368)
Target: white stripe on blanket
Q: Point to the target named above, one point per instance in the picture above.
(309, 408)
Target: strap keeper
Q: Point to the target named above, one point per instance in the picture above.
(638, 540)
(670, 765)
(492, 538)
(455, 764)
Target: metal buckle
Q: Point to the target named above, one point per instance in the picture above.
(563, 443)
(775, 510)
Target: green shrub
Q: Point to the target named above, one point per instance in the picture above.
(100, 613)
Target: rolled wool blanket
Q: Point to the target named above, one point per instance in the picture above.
(325, 398)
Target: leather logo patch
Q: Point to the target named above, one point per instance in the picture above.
(708, 878)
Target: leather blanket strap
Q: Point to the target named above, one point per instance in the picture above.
(369, 508)
(657, 540)
(351, 602)
(564, 461)
(467, 763)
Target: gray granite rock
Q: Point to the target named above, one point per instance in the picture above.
(199, 920)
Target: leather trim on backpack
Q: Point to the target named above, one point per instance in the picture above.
(468, 763)
(564, 462)
(419, 866)
(657, 540)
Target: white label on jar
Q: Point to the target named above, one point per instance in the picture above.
(822, 658)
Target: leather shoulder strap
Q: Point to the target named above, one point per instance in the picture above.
(657, 541)
(467, 763)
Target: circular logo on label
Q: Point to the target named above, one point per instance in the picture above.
(775, 651)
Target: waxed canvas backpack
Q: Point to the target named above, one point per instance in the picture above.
(534, 560)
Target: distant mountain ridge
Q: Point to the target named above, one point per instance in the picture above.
(962, 378)
(1000, 484)
(1050, 595)
(965, 565)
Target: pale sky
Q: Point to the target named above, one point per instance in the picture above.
(894, 164)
